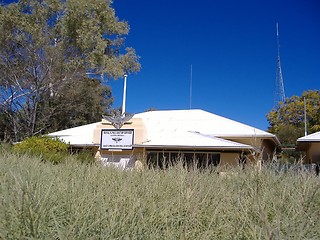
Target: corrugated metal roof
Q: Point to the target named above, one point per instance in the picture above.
(314, 137)
(180, 128)
(199, 121)
(77, 136)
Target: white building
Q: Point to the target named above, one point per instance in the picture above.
(311, 145)
(159, 138)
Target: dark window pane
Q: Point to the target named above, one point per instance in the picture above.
(152, 160)
(213, 159)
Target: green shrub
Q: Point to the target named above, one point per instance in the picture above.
(85, 156)
(48, 149)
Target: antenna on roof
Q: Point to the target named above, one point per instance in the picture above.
(279, 93)
(305, 117)
(190, 93)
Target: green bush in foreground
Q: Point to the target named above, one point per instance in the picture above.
(47, 148)
(40, 200)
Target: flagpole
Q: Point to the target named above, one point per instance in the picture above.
(124, 95)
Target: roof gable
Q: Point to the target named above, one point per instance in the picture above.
(314, 137)
(198, 121)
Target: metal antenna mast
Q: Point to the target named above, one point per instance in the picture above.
(280, 94)
(190, 96)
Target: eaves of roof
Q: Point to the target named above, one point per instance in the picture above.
(193, 140)
(314, 137)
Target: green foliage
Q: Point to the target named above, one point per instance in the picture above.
(291, 156)
(85, 156)
(48, 149)
(80, 110)
(288, 134)
(287, 119)
(76, 201)
(93, 36)
(47, 49)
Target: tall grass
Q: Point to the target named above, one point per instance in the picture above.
(75, 201)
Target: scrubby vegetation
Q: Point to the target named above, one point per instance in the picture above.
(41, 200)
(46, 148)
(51, 150)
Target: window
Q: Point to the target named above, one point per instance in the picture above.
(189, 159)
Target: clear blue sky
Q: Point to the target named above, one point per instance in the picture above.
(232, 48)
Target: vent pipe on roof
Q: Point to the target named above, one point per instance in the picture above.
(305, 117)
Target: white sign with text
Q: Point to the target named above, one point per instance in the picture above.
(116, 139)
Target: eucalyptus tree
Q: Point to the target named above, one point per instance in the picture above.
(90, 99)
(287, 119)
(50, 46)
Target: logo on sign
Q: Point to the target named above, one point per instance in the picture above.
(117, 139)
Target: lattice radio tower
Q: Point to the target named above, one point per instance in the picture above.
(279, 92)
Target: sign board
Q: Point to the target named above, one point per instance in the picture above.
(116, 139)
